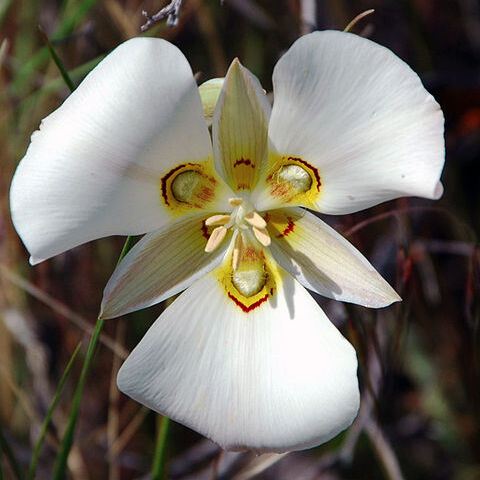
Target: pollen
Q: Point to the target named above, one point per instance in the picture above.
(244, 222)
(235, 201)
(215, 239)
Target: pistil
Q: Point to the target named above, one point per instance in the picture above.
(240, 219)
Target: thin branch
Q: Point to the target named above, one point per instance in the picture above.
(170, 12)
(384, 451)
(394, 213)
(62, 309)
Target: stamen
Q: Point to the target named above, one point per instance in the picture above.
(215, 239)
(235, 201)
(262, 235)
(237, 251)
(217, 220)
(255, 220)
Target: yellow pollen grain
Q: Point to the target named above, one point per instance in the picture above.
(217, 220)
(255, 220)
(215, 239)
(261, 234)
(235, 201)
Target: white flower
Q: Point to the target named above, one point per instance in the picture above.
(245, 355)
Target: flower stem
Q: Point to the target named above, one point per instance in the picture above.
(59, 471)
(46, 422)
(158, 467)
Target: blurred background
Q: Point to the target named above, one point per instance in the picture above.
(419, 360)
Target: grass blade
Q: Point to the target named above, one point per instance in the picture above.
(58, 62)
(60, 467)
(46, 422)
(158, 467)
(68, 24)
(10, 456)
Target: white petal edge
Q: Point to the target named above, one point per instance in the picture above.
(325, 262)
(361, 116)
(160, 265)
(94, 167)
(278, 378)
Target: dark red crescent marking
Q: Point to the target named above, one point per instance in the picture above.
(288, 229)
(314, 170)
(244, 161)
(252, 306)
(204, 229)
(164, 181)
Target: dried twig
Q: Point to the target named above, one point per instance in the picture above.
(357, 19)
(170, 12)
(62, 309)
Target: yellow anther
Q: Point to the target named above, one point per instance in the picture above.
(255, 220)
(235, 201)
(237, 251)
(215, 239)
(217, 220)
(261, 234)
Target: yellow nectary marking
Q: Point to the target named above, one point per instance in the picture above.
(293, 179)
(184, 185)
(188, 185)
(252, 282)
(296, 175)
(249, 282)
(282, 223)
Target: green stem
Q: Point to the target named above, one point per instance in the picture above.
(158, 467)
(46, 422)
(59, 471)
(10, 456)
(67, 441)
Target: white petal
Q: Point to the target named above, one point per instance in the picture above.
(160, 265)
(356, 112)
(95, 166)
(280, 377)
(325, 262)
(240, 125)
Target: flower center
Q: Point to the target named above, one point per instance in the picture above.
(242, 219)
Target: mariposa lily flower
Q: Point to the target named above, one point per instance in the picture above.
(244, 355)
